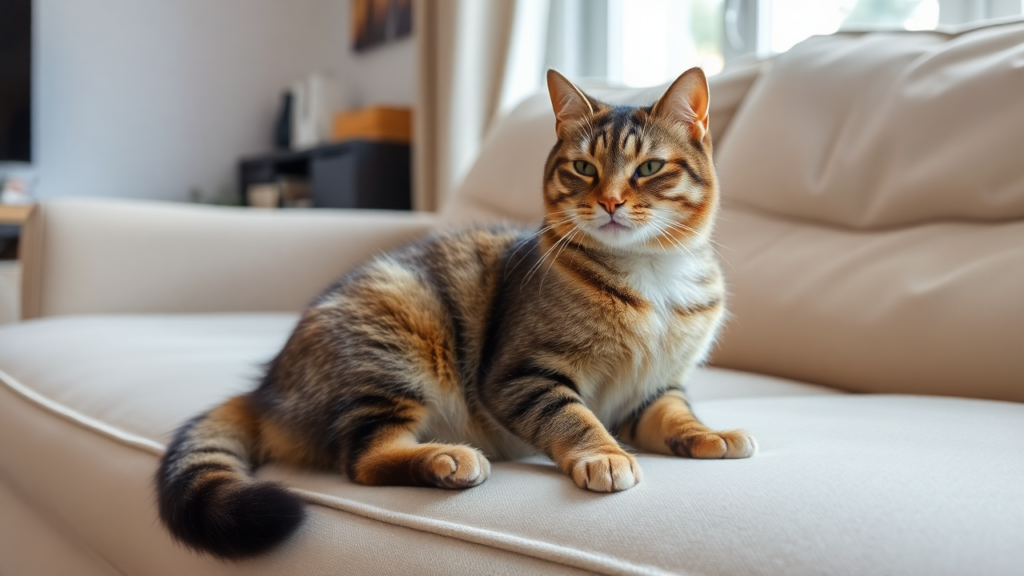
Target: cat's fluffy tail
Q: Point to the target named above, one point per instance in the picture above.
(207, 496)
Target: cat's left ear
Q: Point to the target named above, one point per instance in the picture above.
(686, 102)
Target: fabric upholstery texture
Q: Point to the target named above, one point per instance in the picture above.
(885, 129)
(874, 235)
(888, 472)
(30, 545)
(929, 309)
(127, 257)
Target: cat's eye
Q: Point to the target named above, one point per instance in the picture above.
(585, 168)
(649, 167)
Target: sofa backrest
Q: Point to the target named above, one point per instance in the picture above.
(874, 186)
(873, 224)
(868, 131)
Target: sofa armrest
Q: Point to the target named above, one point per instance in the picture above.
(114, 256)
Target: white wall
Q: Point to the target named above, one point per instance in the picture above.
(383, 75)
(149, 98)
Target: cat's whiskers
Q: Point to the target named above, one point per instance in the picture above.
(683, 246)
(662, 234)
(665, 226)
(524, 241)
(577, 251)
(533, 270)
(558, 213)
(686, 228)
(568, 238)
(711, 242)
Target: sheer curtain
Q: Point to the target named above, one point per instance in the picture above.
(476, 59)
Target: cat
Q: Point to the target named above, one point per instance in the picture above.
(496, 341)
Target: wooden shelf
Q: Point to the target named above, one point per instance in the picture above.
(15, 213)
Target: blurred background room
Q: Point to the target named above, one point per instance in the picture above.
(179, 179)
(340, 103)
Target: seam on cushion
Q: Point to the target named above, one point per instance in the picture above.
(501, 541)
(738, 205)
(57, 526)
(77, 417)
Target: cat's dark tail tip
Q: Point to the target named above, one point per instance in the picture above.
(232, 520)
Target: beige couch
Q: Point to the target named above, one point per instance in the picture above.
(874, 242)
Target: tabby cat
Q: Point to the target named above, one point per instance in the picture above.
(421, 364)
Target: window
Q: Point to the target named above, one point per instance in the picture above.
(765, 27)
(635, 42)
(790, 21)
(649, 42)
(653, 41)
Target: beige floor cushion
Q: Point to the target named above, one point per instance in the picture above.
(843, 484)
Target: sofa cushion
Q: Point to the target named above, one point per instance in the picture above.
(929, 309)
(871, 130)
(843, 484)
(32, 546)
(874, 220)
(147, 374)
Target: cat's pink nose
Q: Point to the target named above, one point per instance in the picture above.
(610, 203)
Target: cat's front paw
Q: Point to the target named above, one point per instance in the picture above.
(606, 472)
(459, 467)
(728, 444)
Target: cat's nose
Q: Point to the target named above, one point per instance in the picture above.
(610, 203)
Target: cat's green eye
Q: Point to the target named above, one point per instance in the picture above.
(649, 167)
(585, 168)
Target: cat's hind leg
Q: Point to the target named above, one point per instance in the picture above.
(667, 425)
(389, 454)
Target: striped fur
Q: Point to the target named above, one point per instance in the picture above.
(421, 364)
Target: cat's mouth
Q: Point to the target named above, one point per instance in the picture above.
(613, 226)
(617, 231)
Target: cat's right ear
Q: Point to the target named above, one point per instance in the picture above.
(570, 104)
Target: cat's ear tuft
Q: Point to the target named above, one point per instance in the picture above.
(571, 105)
(686, 102)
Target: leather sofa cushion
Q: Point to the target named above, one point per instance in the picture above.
(876, 130)
(843, 484)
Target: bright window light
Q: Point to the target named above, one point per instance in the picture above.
(792, 21)
(924, 17)
(660, 39)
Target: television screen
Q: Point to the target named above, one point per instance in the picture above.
(15, 80)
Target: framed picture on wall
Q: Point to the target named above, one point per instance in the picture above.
(378, 22)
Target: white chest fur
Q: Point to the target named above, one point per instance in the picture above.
(664, 342)
(672, 280)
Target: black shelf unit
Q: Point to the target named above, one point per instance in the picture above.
(351, 174)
